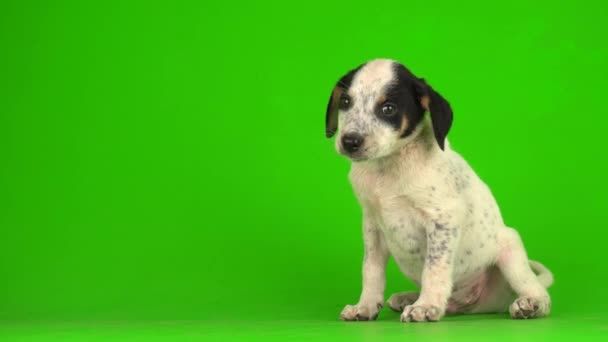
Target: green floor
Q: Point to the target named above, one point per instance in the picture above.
(458, 328)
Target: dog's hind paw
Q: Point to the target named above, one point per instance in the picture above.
(398, 301)
(530, 307)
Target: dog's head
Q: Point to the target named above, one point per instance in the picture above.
(376, 108)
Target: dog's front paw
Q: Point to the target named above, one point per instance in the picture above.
(361, 312)
(421, 313)
(530, 307)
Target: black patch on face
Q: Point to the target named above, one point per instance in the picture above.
(402, 94)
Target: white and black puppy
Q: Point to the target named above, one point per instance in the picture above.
(424, 205)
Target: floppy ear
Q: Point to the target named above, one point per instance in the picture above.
(331, 116)
(441, 112)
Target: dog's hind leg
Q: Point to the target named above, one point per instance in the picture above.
(495, 295)
(534, 300)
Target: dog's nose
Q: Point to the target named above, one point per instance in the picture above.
(352, 142)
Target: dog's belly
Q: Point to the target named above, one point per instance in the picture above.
(477, 282)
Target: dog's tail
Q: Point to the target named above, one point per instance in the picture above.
(545, 277)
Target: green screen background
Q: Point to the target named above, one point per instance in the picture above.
(167, 160)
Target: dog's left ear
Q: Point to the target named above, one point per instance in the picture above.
(441, 112)
(331, 116)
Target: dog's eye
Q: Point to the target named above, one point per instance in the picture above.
(388, 109)
(345, 102)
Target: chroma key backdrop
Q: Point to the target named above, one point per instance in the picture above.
(165, 174)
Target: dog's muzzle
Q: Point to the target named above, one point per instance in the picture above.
(352, 142)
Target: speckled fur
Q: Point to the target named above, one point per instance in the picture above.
(428, 209)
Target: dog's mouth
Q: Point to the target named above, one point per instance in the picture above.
(360, 155)
(357, 158)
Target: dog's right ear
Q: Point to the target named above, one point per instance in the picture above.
(331, 116)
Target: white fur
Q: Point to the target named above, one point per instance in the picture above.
(367, 86)
(429, 210)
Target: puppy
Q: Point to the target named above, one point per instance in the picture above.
(424, 206)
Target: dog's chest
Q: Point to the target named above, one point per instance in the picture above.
(402, 224)
(405, 236)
